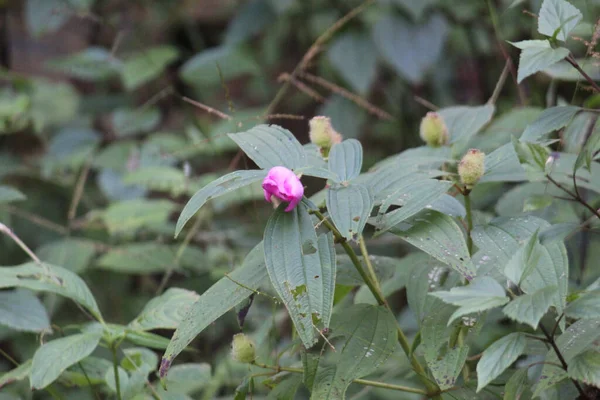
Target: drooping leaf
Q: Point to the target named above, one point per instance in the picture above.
(138, 258)
(146, 65)
(550, 119)
(586, 305)
(345, 159)
(349, 207)
(537, 55)
(129, 122)
(355, 57)
(502, 165)
(463, 122)
(481, 294)
(54, 357)
(165, 311)
(21, 310)
(225, 184)
(518, 387)
(557, 18)
(301, 266)
(499, 356)
(270, 146)
(369, 338)
(216, 301)
(17, 374)
(286, 389)
(9, 194)
(530, 308)
(446, 369)
(92, 64)
(50, 278)
(187, 378)
(524, 261)
(159, 178)
(586, 368)
(73, 254)
(439, 236)
(131, 215)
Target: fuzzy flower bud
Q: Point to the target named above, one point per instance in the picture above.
(322, 133)
(242, 349)
(433, 130)
(471, 167)
(282, 184)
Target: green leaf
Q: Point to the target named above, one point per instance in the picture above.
(524, 260)
(18, 374)
(165, 311)
(348, 276)
(586, 368)
(207, 67)
(129, 121)
(354, 56)
(411, 49)
(563, 71)
(21, 310)
(345, 159)
(60, 281)
(349, 207)
(537, 55)
(481, 294)
(446, 369)
(439, 236)
(423, 279)
(250, 19)
(270, 146)
(301, 266)
(147, 65)
(159, 178)
(216, 301)
(369, 338)
(500, 240)
(54, 357)
(530, 308)
(187, 378)
(48, 16)
(464, 122)
(550, 119)
(223, 185)
(95, 368)
(412, 197)
(558, 18)
(499, 356)
(577, 338)
(131, 215)
(73, 254)
(518, 387)
(92, 64)
(9, 194)
(286, 389)
(586, 305)
(138, 258)
(502, 165)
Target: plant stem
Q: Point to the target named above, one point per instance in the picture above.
(469, 221)
(562, 360)
(365, 382)
(571, 60)
(365, 254)
(574, 196)
(113, 349)
(402, 339)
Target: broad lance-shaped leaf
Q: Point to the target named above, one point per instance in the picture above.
(270, 146)
(537, 55)
(60, 281)
(439, 236)
(18, 374)
(464, 122)
(54, 357)
(369, 338)
(586, 368)
(586, 305)
(501, 239)
(413, 197)
(558, 17)
(216, 301)
(481, 294)
(219, 187)
(345, 159)
(297, 262)
(21, 310)
(530, 308)
(165, 311)
(446, 369)
(349, 207)
(523, 262)
(549, 120)
(499, 356)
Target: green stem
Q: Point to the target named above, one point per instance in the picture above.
(365, 382)
(402, 339)
(113, 349)
(469, 221)
(365, 254)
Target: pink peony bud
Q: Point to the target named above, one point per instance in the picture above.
(284, 185)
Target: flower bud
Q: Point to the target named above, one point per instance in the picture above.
(433, 130)
(242, 349)
(322, 133)
(471, 167)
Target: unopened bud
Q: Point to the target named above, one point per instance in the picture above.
(322, 133)
(242, 349)
(433, 130)
(471, 167)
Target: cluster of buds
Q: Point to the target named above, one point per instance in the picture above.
(323, 135)
(471, 167)
(433, 130)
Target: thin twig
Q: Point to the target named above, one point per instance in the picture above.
(78, 192)
(40, 221)
(206, 108)
(571, 60)
(426, 103)
(363, 250)
(574, 196)
(301, 86)
(500, 83)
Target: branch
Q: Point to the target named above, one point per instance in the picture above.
(571, 60)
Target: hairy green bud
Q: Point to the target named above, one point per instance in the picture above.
(471, 167)
(322, 133)
(242, 349)
(433, 130)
